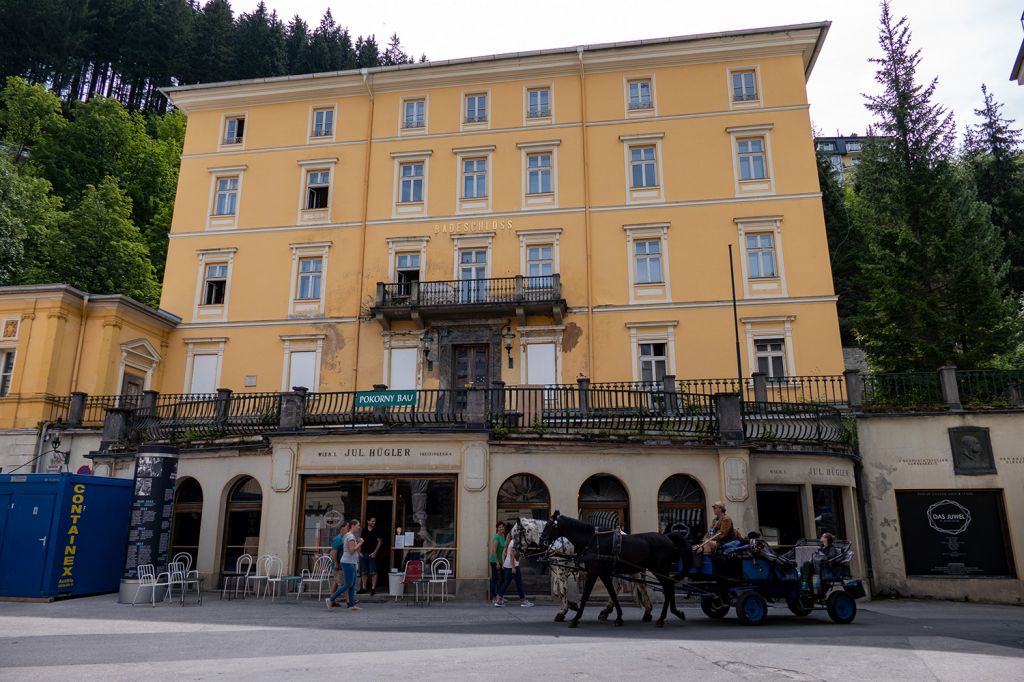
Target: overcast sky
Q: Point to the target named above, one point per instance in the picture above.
(963, 42)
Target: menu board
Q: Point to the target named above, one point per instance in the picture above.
(149, 528)
(958, 533)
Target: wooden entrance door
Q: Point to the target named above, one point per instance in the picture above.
(471, 365)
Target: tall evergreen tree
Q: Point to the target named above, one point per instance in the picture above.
(367, 52)
(259, 44)
(213, 49)
(992, 148)
(297, 46)
(934, 270)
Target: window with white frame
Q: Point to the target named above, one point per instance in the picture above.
(744, 86)
(472, 275)
(647, 261)
(760, 255)
(226, 201)
(538, 103)
(751, 158)
(826, 147)
(853, 146)
(771, 358)
(414, 113)
(402, 369)
(407, 267)
(204, 373)
(323, 122)
(476, 108)
(640, 94)
(643, 166)
(538, 173)
(411, 182)
(6, 371)
(653, 361)
(318, 187)
(234, 130)
(310, 272)
(474, 178)
(540, 263)
(215, 284)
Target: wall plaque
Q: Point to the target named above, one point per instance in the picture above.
(379, 455)
(972, 450)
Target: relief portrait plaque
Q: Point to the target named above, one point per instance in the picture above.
(972, 450)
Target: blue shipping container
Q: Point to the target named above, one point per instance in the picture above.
(62, 534)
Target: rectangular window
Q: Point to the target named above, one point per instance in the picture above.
(771, 358)
(6, 371)
(407, 271)
(643, 167)
(828, 511)
(826, 147)
(204, 374)
(538, 173)
(323, 122)
(640, 95)
(744, 86)
(302, 369)
(226, 202)
(647, 255)
(310, 270)
(318, 183)
(215, 284)
(414, 113)
(751, 157)
(760, 255)
(474, 178)
(411, 182)
(653, 361)
(403, 369)
(473, 274)
(540, 364)
(476, 108)
(539, 267)
(853, 146)
(234, 130)
(538, 103)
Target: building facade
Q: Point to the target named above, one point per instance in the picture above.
(534, 246)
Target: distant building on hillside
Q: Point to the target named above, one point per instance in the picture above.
(843, 152)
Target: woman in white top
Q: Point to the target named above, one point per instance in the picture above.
(349, 561)
(510, 568)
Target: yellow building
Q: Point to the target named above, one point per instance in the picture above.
(334, 231)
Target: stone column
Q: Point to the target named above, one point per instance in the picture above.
(476, 407)
(854, 389)
(668, 387)
(950, 390)
(760, 387)
(729, 412)
(76, 410)
(583, 384)
(292, 411)
(223, 405)
(149, 399)
(115, 427)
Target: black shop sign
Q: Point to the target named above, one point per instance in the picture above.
(957, 533)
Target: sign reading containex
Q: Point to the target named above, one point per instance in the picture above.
(385, 398)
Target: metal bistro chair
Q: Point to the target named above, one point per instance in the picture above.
(148, 577)
(275, 567)
(243, 567)
(257, 578)
(320, 574)
(180, 576)
(440, 573)
(414, 576)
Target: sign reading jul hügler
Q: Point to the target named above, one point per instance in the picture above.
(385, 398)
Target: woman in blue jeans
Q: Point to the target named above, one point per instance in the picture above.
(349, 560)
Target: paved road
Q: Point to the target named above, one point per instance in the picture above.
(96, 638)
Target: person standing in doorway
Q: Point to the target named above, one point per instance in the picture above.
(496, 550)
(372, 542)
(349, 563)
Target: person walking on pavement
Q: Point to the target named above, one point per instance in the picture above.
(495, 553)
(349, 562)
(372, 542)
(510, 564)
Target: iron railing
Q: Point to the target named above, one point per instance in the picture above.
(827, 389)
(434, 407)
(206, 417)
(990, 388)
(470, 291)
(57, 408)
(712, 386)
(793, 423)
(910, 390)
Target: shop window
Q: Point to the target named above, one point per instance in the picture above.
(828, 511)
(604, 503)
(243, 517)
(187, 519)
(780, 512)
(327, 505)
(426, 507)
(681, 500)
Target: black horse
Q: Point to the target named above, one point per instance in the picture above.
(603, 555)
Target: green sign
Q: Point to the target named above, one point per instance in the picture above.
(385, 398)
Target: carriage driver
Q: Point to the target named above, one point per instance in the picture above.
(720, 531)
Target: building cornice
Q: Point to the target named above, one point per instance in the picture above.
(802, 39)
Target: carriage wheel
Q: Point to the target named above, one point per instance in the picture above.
(714, 607)
(800, 606)
(752, 609)
(841, 607)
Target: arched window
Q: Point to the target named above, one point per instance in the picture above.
(604, 503)
(242, 519)
(524, 495)
(187, 518)
(681, 500)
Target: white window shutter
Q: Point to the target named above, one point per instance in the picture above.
(540, 364)
(403, 369)
(204, 374)
(303, 370)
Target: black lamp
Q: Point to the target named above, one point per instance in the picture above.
(509, 338)
(425, 342)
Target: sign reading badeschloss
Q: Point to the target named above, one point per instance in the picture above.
(959, 533)
(385, 398)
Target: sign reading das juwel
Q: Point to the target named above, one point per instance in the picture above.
(385, 398)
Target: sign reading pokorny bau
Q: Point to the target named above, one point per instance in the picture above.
(385, 398)
(379, 455)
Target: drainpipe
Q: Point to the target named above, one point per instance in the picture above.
(589, 371)
(362, 228)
